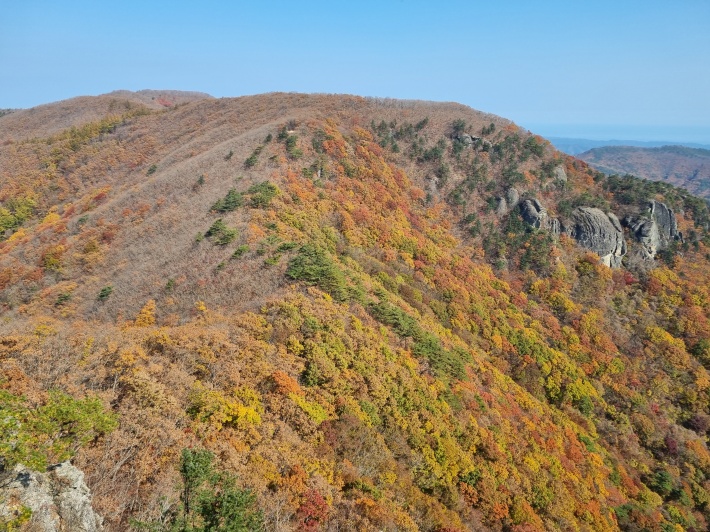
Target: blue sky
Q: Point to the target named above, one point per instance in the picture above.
(556, 67)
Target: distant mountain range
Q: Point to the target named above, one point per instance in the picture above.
(679, 165)
(573, 146)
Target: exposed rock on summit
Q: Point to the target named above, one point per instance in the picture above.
(59, 499)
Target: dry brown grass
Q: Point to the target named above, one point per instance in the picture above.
(146, 224)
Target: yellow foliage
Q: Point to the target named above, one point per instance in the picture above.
(702, 379)
(45, 329)
(146, 316)
(17, 235)
(218, 409)
(51, 218)
(314, 410)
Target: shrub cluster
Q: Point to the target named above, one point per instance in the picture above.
(315, 266)
(230, 202)
(220, 233)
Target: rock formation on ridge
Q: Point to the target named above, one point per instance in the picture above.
(654, 230)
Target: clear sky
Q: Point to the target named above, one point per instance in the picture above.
(558, 67)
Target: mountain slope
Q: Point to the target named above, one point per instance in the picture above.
(345, 300)
(681, 166)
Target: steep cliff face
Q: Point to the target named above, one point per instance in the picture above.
(655, 229)
(664, 217)
(600, 233)
(59, 499)
(590, 227)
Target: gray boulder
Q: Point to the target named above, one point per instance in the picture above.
(559, 174)
(513, 197)
(535, 215)
(59, 499)
(599, 232)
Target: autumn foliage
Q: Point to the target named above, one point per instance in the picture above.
(347, 324)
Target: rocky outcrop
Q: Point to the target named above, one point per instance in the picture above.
(513, 197)
(466, 140)
(559, 174)
(536, 216)
(655, 229)
(602, 232)
(502, 206)
(592, 229)
(665, 220)
(599, 232)
(59, 499)
(477, 142)
(646, 233)
(533, 213)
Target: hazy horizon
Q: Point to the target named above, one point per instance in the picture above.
(642, 133)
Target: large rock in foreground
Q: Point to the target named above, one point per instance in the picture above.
(59, 499)
(599, 232)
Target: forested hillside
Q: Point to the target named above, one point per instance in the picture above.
(354, 314)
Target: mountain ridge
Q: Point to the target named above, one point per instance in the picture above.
(330, 294)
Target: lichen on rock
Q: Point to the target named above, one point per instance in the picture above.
(60, 500)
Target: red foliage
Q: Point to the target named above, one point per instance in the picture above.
(313, 512)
